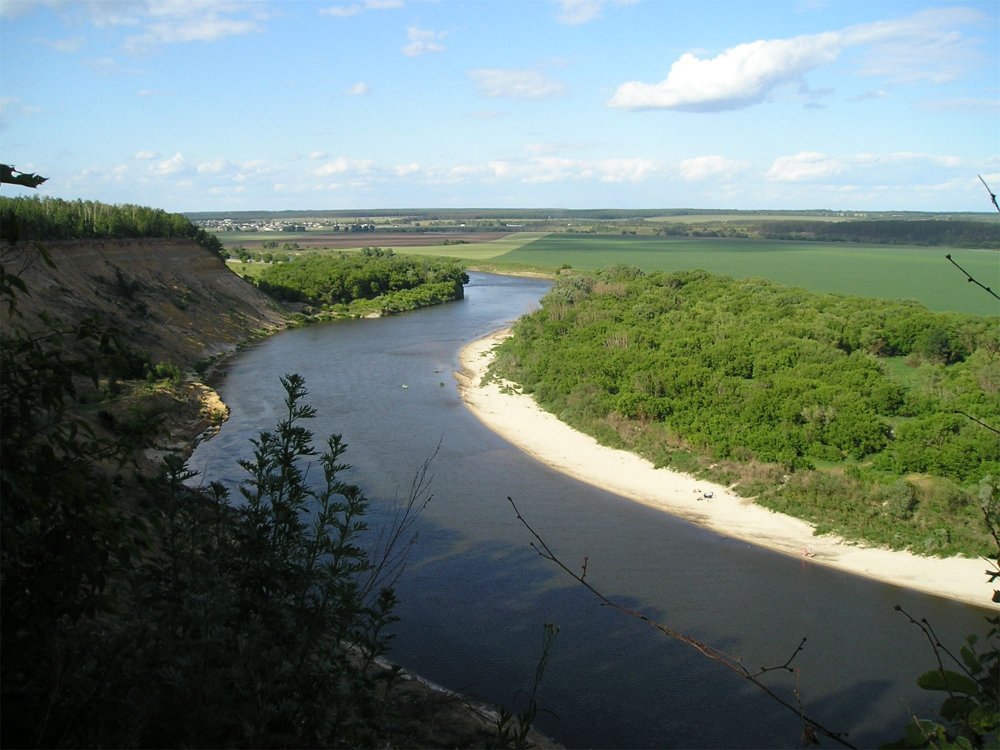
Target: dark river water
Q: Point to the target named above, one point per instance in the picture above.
(475, 596)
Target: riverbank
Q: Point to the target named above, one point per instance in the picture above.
(518, 419)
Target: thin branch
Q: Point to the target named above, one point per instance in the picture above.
(968, 276)
(811, 726)
(993, 196)
(977, 421)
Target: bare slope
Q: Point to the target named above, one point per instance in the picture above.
(170, 298)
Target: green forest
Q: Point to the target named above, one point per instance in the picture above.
(34, 218)
(375, 280)
(915, 232)
(862, 416)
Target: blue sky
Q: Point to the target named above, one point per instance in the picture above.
(214, 105)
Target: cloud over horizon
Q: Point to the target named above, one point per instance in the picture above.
(923, 46)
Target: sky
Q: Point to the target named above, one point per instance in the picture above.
(224, 105)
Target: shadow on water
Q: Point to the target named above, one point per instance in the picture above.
(475, 596)
(664, 693)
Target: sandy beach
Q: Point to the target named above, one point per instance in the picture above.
(519, 420)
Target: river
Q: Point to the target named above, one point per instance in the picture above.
(475, 596)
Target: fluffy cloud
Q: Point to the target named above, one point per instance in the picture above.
(740, 76)
(358, 89)
(342, 165)
(174, 165)
(422, 41)
(515, 83)
(925, 46)
(710, 168)
(216, 166)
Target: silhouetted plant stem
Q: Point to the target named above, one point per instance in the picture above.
(811, 727)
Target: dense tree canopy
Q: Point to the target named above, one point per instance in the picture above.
(393, 282)
(34, 218)
(748, 370)
(931, 232)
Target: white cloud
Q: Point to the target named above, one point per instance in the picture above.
(315, 155)
(252, 170)
(402, 170)
(925, 46)
(215, 166)
(423, 41)
(174, 165)
(164, 21)
(576, 12)
(145, 155)
(740, 76)
(624, 170)
(515, 83)
(355, 9)
(343, 165)
(499, 168)
(806, 165)
(891, 168)
(711, 167)
(358, 89)
(173, 31)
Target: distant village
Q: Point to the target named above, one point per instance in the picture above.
(279, 225)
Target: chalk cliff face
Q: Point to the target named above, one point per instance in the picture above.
(170, 298)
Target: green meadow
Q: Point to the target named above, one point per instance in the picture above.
(886, 271)
(883, 271)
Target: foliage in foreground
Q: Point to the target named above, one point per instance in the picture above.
(752, 373)
(157, 615)
(374, 280)
(969, 716)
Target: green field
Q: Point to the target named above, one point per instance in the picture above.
(887, 271)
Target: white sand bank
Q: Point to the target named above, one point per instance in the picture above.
(519, 420)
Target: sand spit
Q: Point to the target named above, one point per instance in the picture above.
(520, 421)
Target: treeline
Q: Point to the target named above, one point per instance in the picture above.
(36, 218)
(949, 233)
(753, 373)
(386, 281)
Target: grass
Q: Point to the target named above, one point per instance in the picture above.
(885, 271)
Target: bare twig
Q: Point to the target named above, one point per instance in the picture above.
(969, 278)
(978, 421)
(993, 196)
(811, 727)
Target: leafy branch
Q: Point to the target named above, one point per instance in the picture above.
(811, 729)
(971, 682)
(11, 176)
